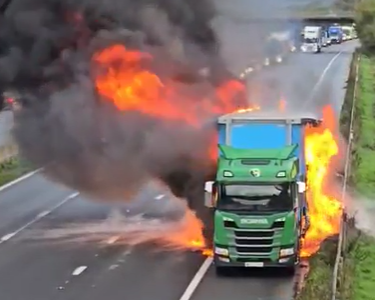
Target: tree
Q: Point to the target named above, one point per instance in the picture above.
(345, 5)
(365, 24)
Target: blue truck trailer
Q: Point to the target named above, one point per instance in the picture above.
(258, 194)
(336, 34)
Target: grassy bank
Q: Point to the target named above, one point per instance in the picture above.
(319, 280)
(358, 279)
(13, 169)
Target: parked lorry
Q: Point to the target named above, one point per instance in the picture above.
(336, 34)
(258, 195)
(312, 39)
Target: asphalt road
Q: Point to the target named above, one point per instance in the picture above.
(35, 267)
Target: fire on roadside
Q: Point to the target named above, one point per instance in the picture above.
(125, 78)
(321, 146)
(125, 82)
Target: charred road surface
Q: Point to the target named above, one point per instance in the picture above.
(43, 270)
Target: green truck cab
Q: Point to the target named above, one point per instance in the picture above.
(258, 208)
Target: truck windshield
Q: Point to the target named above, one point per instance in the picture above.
(311, 41)
(261, 198)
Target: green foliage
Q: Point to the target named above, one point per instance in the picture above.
(13, 169)
(358, 278)
(365, 24)
(345, 5)
(363, 162)
(318, 283)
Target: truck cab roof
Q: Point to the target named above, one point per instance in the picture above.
(260, 165)
(271, 116)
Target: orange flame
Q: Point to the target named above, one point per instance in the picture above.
(125, 80)
(324, 209)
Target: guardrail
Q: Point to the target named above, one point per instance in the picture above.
(343, 224)
(8, 152)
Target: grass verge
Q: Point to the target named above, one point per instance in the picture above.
(12, 169)
(358, 277)
(319, 280)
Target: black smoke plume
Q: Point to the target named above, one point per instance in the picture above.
(84, 142)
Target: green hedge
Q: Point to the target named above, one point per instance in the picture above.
(363, 160)
(358, 279)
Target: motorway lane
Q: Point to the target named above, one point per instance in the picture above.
(305, 81)
(42, 269)
(116, 271)
(322, 84)
(23, 202)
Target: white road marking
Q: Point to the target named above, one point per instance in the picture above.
(40, 216)
(112, 267)
(18, 180)
(320, 80)
(78, 271)
(7, 237)
(197, 279)
(161, 196)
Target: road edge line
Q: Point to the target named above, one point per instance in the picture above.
(40, 216)
(197, 279)
(19, 179)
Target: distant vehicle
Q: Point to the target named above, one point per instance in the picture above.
(328, 37)
(312, 39)
(10, 102)
(325, 38)
(348, 33)
(336, 34)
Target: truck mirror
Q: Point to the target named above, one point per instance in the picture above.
(208, 186)
(301, 187)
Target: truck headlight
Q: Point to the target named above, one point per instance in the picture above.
(221, 251)
(287, 252)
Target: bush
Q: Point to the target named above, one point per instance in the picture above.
(365, 24)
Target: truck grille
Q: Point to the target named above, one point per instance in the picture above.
(254, 234)
(275, 225)
(262, 250)
(246, 242)
(254, 241)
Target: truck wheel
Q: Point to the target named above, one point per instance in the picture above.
(221, 271)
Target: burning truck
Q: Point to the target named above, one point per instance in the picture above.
(106, 109)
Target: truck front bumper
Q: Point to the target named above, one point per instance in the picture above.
(225, 261)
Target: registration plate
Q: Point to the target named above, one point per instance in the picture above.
(254, 264)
